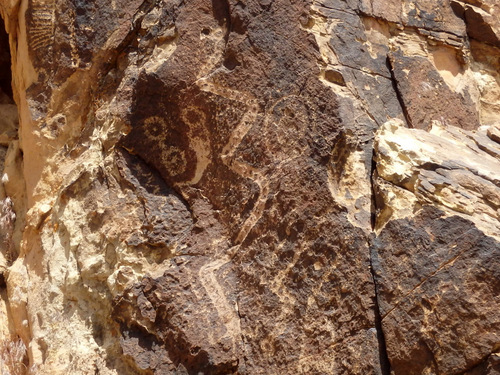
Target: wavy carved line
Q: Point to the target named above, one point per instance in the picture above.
(43, 24)
(229, 149)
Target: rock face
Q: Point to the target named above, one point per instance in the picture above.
(258, 187)
(436, 278)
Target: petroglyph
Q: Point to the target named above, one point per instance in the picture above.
(237, 135)
(174, 159)
(199, 140)
(154, 127)
(157, 132)
(41, 35)
(227, 312)
(290, 107)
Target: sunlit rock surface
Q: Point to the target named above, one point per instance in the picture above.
(257, 187)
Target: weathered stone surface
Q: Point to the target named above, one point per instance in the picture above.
(480, 19)
(207, 187)
(427, 97)
(174, 322)
(7, 220)
(258, 155)
(426, 167)
(436, 269)
(494, 134)
(437, 279)
(425, 14)
(490, 365)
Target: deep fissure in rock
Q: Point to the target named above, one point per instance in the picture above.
(13, 358)
(9, 155)
(5, 70)
(385, 365)
(398, 93)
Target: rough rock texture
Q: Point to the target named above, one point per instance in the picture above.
(437, 277)
(415, 168)
(257, 187)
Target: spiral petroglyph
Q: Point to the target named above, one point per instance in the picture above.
(155, 128)
(174, 160)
